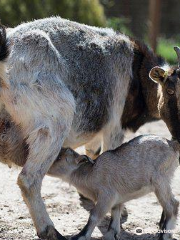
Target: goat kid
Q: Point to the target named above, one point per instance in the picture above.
(143, 165)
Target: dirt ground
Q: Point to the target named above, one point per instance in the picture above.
(69, 214)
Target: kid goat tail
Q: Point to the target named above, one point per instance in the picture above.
(4, 49)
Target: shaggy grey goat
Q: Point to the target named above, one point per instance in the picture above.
(143, 165)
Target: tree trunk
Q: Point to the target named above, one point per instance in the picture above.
(154, 22)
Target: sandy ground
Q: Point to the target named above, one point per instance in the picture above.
(69, 214)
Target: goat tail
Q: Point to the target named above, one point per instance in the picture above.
(4, 49)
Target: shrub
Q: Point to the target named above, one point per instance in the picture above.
(13, 12)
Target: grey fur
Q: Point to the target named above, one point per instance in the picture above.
(143, 165)
(92, 56)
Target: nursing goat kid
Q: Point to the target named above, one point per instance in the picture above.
(65, 84)
(143, 165)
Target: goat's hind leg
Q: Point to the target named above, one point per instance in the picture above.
(44, 142)
(30, 180)
(113, 232)
(161, 222)
(170, 209)
(43, 107)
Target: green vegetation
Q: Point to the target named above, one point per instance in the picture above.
(120, 25)
(165, 49)
(13, 12)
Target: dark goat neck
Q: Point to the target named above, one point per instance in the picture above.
(142, 101)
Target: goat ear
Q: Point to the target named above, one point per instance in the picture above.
(83, 158)
(158, 75)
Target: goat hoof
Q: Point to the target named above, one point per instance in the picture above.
(77, 237)
(111, 235)
(51, 233)
(117, 236)
(165, 237)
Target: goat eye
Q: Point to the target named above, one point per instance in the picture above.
(170, 91)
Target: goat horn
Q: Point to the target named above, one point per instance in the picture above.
(177, 50)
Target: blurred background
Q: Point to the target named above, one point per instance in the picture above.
(157, 22)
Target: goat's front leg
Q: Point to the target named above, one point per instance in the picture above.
(45, 126)
(97, 214)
